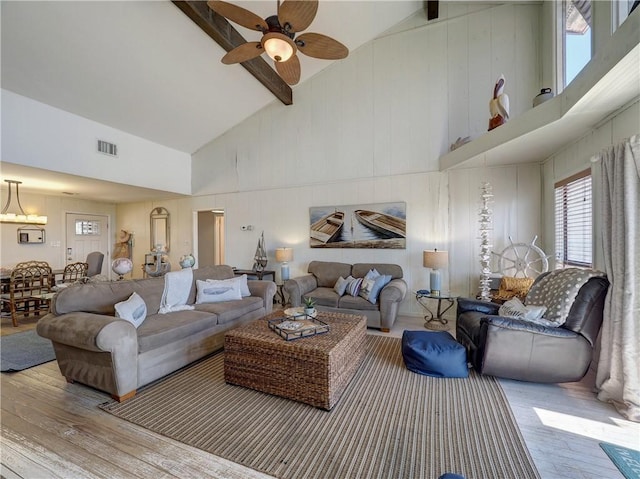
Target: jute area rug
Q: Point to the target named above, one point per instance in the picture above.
(390, 423)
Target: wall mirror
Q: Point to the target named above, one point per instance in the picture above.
(159, 228)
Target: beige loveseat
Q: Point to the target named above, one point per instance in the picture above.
(320, 282)
(96, 348)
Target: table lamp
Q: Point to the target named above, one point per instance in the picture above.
(435, 260)
(284, 255)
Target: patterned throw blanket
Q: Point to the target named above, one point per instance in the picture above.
(558, 290)
(177, 285)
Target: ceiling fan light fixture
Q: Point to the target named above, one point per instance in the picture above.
(278, 46)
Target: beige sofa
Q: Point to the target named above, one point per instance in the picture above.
(95, 348)
(323, 275)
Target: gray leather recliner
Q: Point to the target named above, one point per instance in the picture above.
(516, 349)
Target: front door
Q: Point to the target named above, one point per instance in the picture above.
(87, 233)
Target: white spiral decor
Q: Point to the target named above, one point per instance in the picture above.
(485, 245)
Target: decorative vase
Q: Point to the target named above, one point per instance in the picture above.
(309, 311)
(187, 261)
(544, 95)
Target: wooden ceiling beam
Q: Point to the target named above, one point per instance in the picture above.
(223, 33)
(432, 9)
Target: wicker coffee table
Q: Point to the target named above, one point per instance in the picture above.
(314, 370)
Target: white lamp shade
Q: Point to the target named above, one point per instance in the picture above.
(284, 255)
(435, 259)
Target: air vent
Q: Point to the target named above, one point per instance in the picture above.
(107, 148)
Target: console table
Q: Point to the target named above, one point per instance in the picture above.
(256, 274)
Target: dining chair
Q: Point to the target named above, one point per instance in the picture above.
(74, 271)
(94, 260)
(29, 290)
(26, 264)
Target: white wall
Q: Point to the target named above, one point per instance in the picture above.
(370, 129)
(362, 132)
(134, 217)
(516, 214)
(55, 208)
(391, 108)
(41, 136)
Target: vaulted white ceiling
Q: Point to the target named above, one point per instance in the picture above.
(147, 69)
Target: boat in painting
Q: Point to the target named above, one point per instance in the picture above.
(387, 225)
(327, 228)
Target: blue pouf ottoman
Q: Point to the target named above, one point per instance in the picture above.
(434, 353)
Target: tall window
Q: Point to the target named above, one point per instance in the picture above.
(574, 220)
(621, 11)
(576, 37)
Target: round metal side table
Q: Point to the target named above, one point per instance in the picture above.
(435, 321)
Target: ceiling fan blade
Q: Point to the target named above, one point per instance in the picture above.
(238, 15)
(289, 70)
(244, 52)
(321, 46)
(298, 14)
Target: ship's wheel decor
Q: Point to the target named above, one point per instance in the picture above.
(522, 260)
(485, 215)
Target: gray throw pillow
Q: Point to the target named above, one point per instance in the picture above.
(341, 285)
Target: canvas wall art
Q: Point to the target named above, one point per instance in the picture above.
(378, 225)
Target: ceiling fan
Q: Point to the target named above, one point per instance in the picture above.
(279, 36)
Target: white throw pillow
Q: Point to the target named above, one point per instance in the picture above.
(133, 309)
(215, 291)
(515, 309)
(242, 282)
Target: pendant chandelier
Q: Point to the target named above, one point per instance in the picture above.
(21, 217)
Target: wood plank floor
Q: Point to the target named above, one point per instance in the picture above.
(51, 429)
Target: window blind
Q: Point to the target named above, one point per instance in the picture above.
(574, 221)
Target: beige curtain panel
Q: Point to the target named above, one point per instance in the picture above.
(618, 375)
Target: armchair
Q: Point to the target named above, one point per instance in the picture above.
(519, 349)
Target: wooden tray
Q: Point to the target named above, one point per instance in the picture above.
(291, 329)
